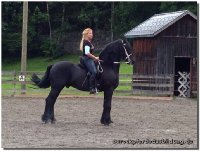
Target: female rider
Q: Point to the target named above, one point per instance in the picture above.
(87, 48)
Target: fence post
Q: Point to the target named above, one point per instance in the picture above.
(22, 79)
(24, 45)
(172, 83)
(131, 84)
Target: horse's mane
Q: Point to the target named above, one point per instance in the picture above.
(109, 49)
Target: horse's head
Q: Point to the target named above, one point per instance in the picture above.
(116, 51)
(127, 52)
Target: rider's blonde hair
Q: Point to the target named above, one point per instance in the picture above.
(84, 34)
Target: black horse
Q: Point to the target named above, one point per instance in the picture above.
(66, 74)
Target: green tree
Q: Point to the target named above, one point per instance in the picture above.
(65, 17)
(174, 6)
(130, 14)
(37, 24)
(11, 28)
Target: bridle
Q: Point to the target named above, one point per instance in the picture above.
(100, 69)
(127, 55)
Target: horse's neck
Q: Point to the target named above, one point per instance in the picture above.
(114, 67)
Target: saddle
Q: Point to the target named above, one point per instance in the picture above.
(83, 66)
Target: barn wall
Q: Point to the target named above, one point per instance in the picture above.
(186, 27)
(193, 83)
(168, 48)
(145, 54)
(179, 40)
(156, 55)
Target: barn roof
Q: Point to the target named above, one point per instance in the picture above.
(157, 23)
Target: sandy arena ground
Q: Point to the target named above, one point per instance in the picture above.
(137, 123)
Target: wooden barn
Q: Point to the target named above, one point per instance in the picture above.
(166, 44)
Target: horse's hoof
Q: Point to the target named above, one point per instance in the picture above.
(45, 119)
(106, 122)
(53, 121)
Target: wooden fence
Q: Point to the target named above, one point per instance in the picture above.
(154, 85)
(128, 85)
(11, 85)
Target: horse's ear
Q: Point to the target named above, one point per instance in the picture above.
(123, 40)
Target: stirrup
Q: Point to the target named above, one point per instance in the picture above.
(93, 91)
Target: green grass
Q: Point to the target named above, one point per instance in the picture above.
(37, 64)
(40, 64)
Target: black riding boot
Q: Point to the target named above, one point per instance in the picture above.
(92, 83)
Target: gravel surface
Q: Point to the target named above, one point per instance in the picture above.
(137, 123)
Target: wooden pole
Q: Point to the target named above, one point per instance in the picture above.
(24, 46)
(112, 20)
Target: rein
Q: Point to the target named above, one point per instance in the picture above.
(99, 67)
(120, 62)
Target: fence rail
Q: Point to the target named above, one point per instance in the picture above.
(128, 85)
(12, 85)
(159, 85)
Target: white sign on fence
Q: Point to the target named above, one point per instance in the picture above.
(184, 80)
(21, 78)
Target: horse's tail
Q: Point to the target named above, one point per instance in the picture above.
(45, 81)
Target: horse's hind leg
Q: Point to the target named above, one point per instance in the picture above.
(49, 107)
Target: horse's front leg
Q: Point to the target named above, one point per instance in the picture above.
(106, 119)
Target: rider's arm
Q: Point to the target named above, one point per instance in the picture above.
(87, 52)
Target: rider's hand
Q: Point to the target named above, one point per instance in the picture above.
(96, 58)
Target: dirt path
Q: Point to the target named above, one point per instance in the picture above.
(137, 124)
